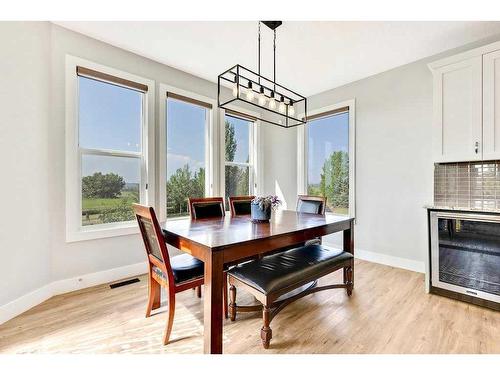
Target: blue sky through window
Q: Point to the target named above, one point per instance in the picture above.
(185, 136)
(110, 117)
(325, 136)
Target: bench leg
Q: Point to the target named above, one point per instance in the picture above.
(266, 333)
(232, 303)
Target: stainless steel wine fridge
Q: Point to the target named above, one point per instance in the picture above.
(465, 256)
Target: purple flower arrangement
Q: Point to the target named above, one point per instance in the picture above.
(267, 202)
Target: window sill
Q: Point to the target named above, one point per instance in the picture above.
(102, 231)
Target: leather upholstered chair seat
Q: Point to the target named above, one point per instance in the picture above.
(276, 272)
(184, 267)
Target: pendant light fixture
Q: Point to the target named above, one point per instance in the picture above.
(251, 92)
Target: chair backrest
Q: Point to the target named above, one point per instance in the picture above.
(152, 235)
(240, 205)
(205, 208)
(311, 204)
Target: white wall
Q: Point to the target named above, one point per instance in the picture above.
(35, 259)
(24, 108)
(393, 160)
(280, 163)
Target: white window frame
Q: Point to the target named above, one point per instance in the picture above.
(75, 231)
(256, 177)
(210, 146)
(303, 151)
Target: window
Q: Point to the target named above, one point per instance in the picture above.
(187, 152)
(238, 156)
(329, 158)
(107, 162)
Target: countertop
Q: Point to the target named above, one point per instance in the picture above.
(452, 208)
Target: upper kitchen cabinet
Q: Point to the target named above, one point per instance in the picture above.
(466, 121)
(457, 128)
(491, 105)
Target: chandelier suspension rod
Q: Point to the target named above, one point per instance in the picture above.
(259, 53)
(274, 59)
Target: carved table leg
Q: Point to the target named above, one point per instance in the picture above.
(266, 333)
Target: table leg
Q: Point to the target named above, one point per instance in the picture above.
(349, 247)
(214, 282)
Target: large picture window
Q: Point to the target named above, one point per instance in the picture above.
(187, 123)
(110, 119)
(329, 158)
(107, 151)
(238, 156)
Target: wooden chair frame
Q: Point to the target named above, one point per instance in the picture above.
(155, 282)
(312, 198)
(194, 201)
(238, 199)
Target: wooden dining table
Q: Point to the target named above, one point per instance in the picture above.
(227, 240)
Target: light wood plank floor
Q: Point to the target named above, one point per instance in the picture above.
(389, 312)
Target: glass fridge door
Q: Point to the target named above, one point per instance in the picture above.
(466, 257)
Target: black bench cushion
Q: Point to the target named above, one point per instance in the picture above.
(184, 266)
(292, 267)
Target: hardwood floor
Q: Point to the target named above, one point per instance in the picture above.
(389, 312)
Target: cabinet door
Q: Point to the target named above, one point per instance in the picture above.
(458, 111)
(491, 106)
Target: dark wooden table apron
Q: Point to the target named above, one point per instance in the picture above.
(226, 240)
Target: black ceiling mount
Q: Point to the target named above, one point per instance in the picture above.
(272, 24)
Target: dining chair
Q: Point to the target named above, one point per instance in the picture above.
(240, 205)
(312, 205)
(205, 208)
(176, 274)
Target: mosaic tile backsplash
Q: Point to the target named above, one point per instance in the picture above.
(473, 186)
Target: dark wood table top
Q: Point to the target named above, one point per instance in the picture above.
(222, 232)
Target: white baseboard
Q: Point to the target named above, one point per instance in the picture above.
(389, 260)
(96, 278)
(26, 302)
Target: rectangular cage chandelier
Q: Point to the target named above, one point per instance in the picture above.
(242, 90)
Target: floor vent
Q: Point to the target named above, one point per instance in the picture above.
(123, 283)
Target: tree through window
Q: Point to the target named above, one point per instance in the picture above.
(328, 160)
(238, 157)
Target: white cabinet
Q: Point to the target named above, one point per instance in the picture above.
(491, 106)
(457, 128)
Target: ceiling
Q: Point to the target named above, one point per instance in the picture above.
(311, 57)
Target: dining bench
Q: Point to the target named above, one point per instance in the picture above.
(273, 276)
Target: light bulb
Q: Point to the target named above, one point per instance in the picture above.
(282, 108)
(262, 100)
(235, 90)
(272, 104)
(291, 110)
(250, 95)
